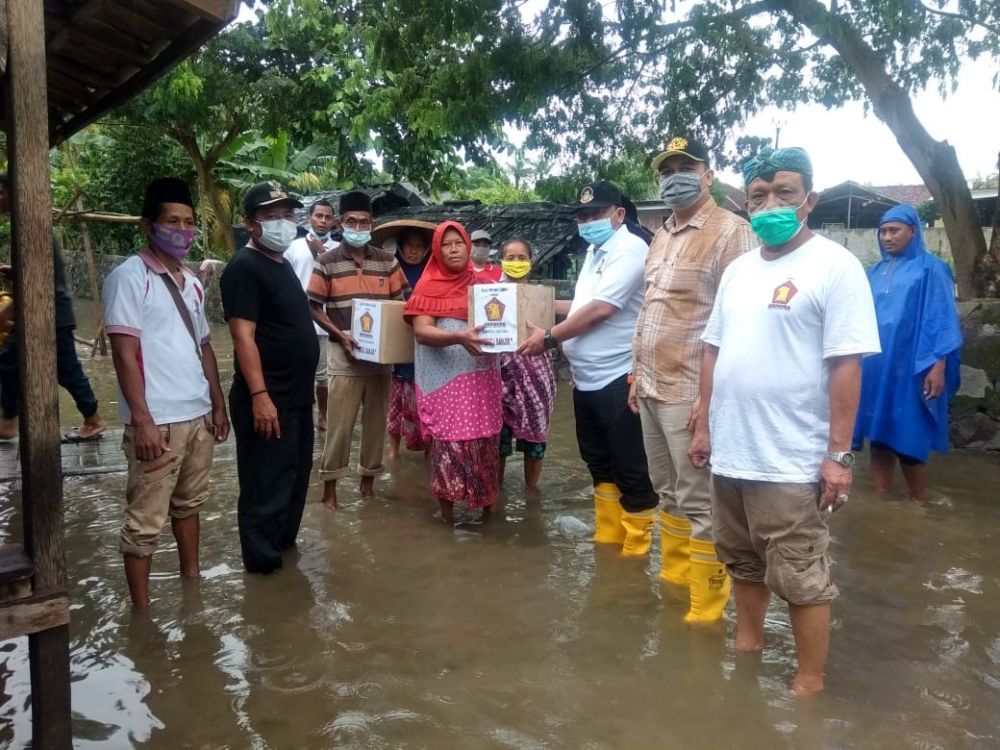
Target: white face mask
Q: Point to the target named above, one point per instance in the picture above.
(277, 234)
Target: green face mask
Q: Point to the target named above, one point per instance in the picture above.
(776, 226)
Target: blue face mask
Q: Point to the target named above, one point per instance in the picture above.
(355, 238)
(596, 232)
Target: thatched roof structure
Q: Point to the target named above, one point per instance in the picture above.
(101, 53)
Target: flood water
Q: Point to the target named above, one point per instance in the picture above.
(388, 629)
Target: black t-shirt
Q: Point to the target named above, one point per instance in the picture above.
(256, 288)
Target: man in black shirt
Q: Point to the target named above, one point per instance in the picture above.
(270, 403)
(69, 372)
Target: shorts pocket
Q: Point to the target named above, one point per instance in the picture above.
(158, 469)
(801, 571)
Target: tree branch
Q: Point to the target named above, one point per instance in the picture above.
(971, 21)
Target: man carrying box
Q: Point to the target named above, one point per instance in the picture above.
(354, 269)
(597, 340)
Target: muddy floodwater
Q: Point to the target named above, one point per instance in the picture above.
(387, 629)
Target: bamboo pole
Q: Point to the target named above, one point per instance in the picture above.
(41, 471)
(100, 342)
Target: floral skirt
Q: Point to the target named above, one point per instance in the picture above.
(402, 419)
(466, 471)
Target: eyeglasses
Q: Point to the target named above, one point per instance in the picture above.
(358, 224)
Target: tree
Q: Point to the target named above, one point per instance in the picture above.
(628, 171)
(207, 103)
(702, 73)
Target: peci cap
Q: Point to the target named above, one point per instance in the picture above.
(355, 200)
(164, 190)
(267, 194)
(680, 146)
(600, 194)
(481, 234)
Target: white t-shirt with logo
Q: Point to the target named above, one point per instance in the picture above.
(613, 273)
(776, 323)
(137, 303)
(300, 258)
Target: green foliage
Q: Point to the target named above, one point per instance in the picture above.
(928, 213)
(112, 164)
(630, 172)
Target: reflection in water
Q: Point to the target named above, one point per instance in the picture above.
(386, 629)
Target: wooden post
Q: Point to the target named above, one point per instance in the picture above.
(100, 342)
(31, 253)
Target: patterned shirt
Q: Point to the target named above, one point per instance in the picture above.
(683, 269)
(337, 280)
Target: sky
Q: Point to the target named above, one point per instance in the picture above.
(847, 144)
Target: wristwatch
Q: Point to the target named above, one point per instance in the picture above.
(549, 342)
(844, 458)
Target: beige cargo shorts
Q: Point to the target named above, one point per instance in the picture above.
(174, 485)
(773, 533)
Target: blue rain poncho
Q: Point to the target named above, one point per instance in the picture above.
(917, 325)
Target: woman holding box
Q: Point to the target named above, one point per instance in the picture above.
(413, 241)
(529, 384)
(457, 386)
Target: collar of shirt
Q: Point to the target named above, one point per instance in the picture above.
(697, 221)
(597, 254)
(343, 253)
(153, 264)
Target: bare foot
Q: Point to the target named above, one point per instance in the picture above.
(748, 644)
(393, 455)
(330, 497)
(321, 424)
(367, 487)
(803, 687)
(8, 428)
(92, 427)
(447, 511)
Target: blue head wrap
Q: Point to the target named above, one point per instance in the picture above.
(905, 214)
(769, 161)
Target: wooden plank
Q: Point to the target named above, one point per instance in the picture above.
(48, 655)
(219, 11)
(33, 615)
(41, 466)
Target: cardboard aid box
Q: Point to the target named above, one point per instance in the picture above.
(505, 309)
(382, 334)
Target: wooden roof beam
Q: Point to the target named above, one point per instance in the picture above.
(67, 33)
(218, 11)
(129, 21)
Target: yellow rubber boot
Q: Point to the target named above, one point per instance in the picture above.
(675, 538)
(710, 585)
(638, 532)
(608, 527)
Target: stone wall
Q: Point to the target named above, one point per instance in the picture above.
(79, 279)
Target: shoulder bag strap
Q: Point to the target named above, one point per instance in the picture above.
(175, 295)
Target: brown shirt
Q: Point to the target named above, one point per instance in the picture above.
(337, 280)
(683, 269)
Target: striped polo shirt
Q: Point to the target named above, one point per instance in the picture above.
(337, 279)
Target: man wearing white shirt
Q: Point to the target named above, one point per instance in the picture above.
(780, 382)
(170, 398)
(597, 340)
(301, 255)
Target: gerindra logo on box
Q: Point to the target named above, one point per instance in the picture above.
(495, 310)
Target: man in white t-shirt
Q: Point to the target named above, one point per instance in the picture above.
(597, 340)
(301, 255)
(169, 394)
(780, 380)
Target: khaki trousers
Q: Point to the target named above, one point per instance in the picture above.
(348, 393)
(685, 492)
